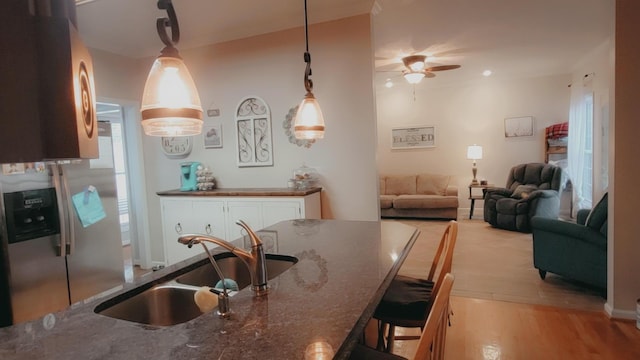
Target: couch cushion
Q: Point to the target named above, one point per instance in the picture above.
(425, 202)
(427, 184)
(386, 201)
(523, 191)
(400, 185)
(597, 219)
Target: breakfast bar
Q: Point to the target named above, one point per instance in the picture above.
(320, 305)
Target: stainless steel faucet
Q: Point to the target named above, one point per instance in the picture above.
(255, 260)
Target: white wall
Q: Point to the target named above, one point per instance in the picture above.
(272, 67)
(467, 114)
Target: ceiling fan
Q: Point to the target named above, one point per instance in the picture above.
(416, 68)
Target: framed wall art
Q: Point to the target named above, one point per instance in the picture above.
(253, 133)
(518, 127)
(413, 137)
(212, 136)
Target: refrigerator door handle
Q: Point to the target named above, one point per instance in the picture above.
(61, 248)
(71, 243)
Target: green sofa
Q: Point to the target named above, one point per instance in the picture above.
(574, 250)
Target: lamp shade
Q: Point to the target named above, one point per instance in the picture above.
(309, 122)
(170, 101)
(474, 152)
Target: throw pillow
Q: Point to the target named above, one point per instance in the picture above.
(523, 191)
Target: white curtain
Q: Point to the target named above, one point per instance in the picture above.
(578, 137)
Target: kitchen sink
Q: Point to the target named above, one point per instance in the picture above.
(161, 305)
(232, 267)
(171, 302)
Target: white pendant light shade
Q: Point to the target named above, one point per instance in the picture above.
(414, 77)
(170, 102)
(309, 122)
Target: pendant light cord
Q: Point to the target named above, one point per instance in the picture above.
(163, 23)
(308, 83)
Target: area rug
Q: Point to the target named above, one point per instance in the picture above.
(496, 264)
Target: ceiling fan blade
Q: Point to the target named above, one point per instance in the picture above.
(442, 68)
(429, 74)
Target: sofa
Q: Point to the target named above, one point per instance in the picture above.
(418, 196)
(531, 190)
(574, 250)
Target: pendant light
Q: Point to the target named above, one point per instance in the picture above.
(170, 102)
(309, 123)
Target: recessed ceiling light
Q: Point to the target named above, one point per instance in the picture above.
(486, 73)
(388, 83)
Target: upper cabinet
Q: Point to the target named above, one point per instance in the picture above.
(48, 98)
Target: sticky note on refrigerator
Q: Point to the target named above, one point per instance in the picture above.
(88, 206)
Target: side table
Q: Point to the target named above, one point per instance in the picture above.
(474, 197)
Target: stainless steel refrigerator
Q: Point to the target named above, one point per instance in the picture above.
(55, 252)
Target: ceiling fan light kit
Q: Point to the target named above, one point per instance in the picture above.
(416, 68)
(413, 77)
(414, 62)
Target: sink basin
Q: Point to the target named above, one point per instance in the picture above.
(161, 305)
(171, 302)
(232, 267)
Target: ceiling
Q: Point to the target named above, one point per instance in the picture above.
(514, 38)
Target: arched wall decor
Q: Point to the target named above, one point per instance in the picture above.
(253, 133)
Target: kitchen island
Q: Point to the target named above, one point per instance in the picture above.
(323, 301)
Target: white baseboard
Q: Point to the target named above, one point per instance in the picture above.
(619, 314)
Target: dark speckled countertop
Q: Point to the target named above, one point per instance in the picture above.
(343, 270)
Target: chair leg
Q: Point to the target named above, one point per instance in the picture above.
(380, 346)
(542, 273)
(391, 337)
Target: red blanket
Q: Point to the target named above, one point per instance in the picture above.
(557, 130)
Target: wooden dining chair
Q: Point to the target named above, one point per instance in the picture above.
(432, 340)
(407, 301)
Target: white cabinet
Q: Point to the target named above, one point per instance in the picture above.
(182, 216)
(247, 210)
(217, 216)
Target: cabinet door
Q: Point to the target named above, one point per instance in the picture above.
(276, 211)
(176, 221)
(248, 211)
(208, 218)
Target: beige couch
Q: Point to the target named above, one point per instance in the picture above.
(418, 196)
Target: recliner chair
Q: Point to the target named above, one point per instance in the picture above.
(532, 190)
(576, 251)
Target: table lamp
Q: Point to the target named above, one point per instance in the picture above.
(474, 152)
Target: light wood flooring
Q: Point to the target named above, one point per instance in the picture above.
(503, 310)
(493, 330)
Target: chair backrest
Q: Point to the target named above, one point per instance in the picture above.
(543, 176)
(597, 219)
(432, 340)
(443, 259)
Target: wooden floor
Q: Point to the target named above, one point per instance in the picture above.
(492, 330)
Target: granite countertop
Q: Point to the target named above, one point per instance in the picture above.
(327, 297)
(243, 192)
